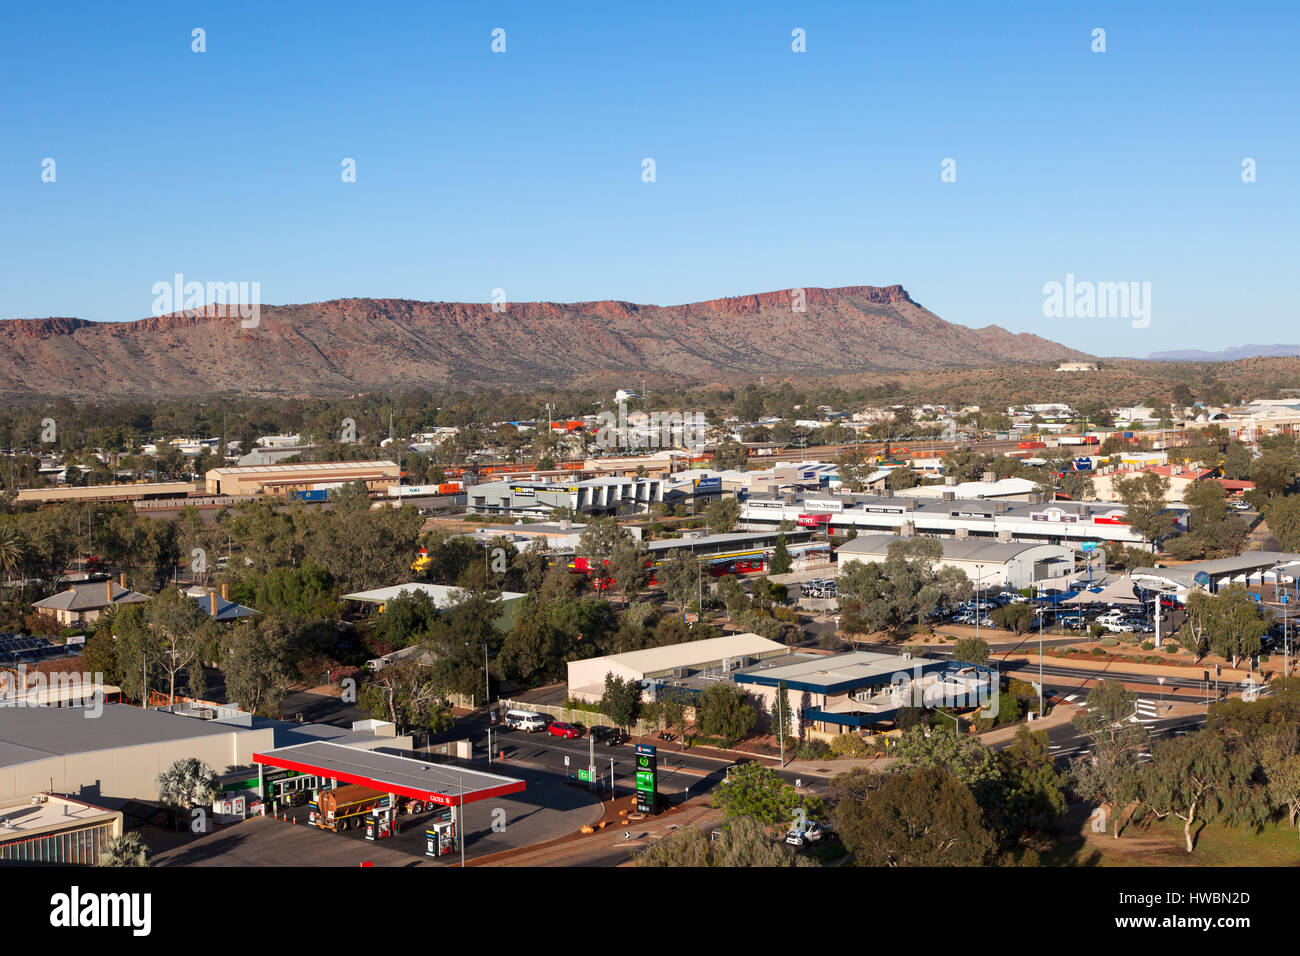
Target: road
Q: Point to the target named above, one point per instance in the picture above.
(1067, 743)
(1063, 676)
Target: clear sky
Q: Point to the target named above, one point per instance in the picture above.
(774, 169)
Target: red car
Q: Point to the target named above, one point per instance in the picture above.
(567, 731)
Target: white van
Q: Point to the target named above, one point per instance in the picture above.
(526, 720)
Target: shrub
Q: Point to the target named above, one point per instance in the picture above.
(1171, 648)
(1148, 646)
(1021, 688)
(1109, 642)
(813, 750)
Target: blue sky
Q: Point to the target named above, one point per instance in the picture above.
(774, 169)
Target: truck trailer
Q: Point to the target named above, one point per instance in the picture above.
(346, 807)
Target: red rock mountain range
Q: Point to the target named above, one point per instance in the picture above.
(350, 345)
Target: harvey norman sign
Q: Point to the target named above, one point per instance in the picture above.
(822, 504)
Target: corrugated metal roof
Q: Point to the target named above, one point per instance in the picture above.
(444, 784)
(654, 659)
(35, 733)
(314, 467)
(954, 549)
(441, 595)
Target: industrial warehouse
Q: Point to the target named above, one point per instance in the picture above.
(286, 480)
(592, 496)
(988, 564)
(1048, 523)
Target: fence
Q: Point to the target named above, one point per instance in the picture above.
(569, 715)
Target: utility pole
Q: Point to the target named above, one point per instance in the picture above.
(780, 719)
(1040, 664)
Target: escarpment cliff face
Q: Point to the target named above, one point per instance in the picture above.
(349, 345)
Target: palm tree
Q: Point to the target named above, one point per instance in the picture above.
(125, 850)
(187, 783)
(11, 550)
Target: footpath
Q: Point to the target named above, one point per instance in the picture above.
(618, 835)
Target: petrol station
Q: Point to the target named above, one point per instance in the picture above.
(393, 781)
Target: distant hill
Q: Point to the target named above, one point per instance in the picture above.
(1226, 355)
(349, 345)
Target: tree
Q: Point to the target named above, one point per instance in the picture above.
(408, 694)
(1282, 516)
(922, 816)
(971, 762)
(854, 466)
(126, 850)
(679, 576)
(730, 454)
(903, 588)
(780, 563)
(1143, 496)
(1228, 623)
(187, 783)
(627, 567)
(1195, 778)
(406, 619)
(726, 711)
(742, 842)
(184, 634)
(722, 514)
(674, 706)
(754, 790)
(305, 589)
(11, 551)
(1109, 774)
(1280, 762)
(99, 656)
(1033, 790)
(1017, 616)
(598, 540)
(255, 665)
(971, 650)
(621, 701)
(781, 715)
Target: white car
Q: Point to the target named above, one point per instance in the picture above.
(810, 831)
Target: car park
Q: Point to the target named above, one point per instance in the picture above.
(561, 729)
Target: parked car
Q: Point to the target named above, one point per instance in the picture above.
(809, 831)
(560, 729)
(611, 736)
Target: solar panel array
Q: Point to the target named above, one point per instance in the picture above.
(20, 648)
